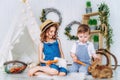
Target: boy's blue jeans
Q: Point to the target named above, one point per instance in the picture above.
(79, 68)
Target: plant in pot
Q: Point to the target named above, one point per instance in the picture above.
(93, 24)
(96, 41)
(88, 7)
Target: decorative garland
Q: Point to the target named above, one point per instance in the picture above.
(104, 13)
(48, 10)
(68, 29)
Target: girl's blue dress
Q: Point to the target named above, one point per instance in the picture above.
(51, 50)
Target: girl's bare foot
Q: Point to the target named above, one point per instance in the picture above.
(33, 70)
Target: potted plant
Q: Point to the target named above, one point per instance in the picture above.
(88, 7)
(93, 24)
(96, 41)
(90, 21)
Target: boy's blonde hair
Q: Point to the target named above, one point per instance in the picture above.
(83, 28)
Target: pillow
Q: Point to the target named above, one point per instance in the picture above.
(14, 66)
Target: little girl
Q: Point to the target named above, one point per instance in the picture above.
(50, 47)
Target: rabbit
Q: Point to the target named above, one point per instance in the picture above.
(102, 71)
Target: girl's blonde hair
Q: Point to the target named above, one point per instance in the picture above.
(43, 34)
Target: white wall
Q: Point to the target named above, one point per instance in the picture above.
(70, 10)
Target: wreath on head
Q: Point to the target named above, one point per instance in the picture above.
(68, 29)
(47, 11)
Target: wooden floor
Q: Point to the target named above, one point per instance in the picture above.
(71, 76)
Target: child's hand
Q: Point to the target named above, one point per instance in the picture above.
(97, 58)
(74, 57)
(48, 63)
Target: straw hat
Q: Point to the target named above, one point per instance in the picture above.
(47, 24)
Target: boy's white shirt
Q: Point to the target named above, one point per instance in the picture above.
(91, 49)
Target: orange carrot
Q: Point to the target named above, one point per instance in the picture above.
(51, 62)
(80, 62)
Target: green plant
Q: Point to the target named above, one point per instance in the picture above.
(95, 38)
(67, 33)
(92, 22)
(68, 30)
(88, 4)
(43, 18)
(104, 14)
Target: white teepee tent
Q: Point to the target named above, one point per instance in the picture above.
(22, 40)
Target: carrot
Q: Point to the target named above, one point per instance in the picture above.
(80, 62)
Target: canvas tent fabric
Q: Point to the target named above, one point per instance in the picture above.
(22, 39)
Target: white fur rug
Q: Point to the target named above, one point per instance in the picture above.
(70, 76)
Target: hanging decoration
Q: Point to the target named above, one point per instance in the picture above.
(104, 14)
(68, 30)
(47, 11)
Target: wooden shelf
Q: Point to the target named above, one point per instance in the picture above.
(86, 17)
(91, 14)
(95, 31)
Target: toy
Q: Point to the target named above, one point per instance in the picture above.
(58, 61)
(80, 62)
(49, 62)
(14, 66)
